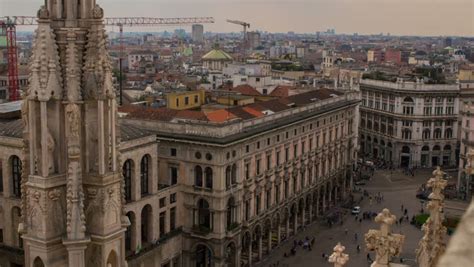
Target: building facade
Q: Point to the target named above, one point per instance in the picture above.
(245, 186)
(409, 124)
(197, 34)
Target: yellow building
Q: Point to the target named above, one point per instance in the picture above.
(185, 100)
(467, 73)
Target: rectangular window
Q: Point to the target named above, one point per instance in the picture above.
(269, 161)
(268, 141)
(196, 99)
(173, 152)
(173, 175)
(287, 154)
(295, 150)
(247, 210)
(186, 100)
(162, 202)
(278, 138)
(268, 199)
(162, 223)
(247, 170)
(311, 144)
(278, 157)
(173, 198)
(257, 167)
(247, 148)
(258, 145)
(172, 219)
(302, 147)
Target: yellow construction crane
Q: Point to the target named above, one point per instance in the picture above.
(245, 25)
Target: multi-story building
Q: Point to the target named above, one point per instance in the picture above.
(409, 123)
(181, 100)
(248, 182)
(253, 39)
(198, 192)
(466, 131)
(197, 33)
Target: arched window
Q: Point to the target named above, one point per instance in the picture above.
(228, 180)
(147, 222)
(448, 133)
(16, 175)
(208, 172)
(38, 262)
(406, 149)
(203, 256)
(426, 134)
(425, 148)
(389, 144)
(198, 176)
(447, 148)
(408, 100)
(129, 235)
(437, 133)
(204, 214)
(144, 175)
(376, 141)
(230, 212)
(127, 171)
(436, 148)
(369, 124)
(234, 174)
(376, 126)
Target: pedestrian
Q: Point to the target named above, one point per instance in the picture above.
(346, 231)
(402, 207)
(355, 236)
(358, 248)
(406, 211)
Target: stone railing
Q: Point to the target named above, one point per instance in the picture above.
(402, 85)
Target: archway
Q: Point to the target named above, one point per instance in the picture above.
(16, 237)
(112, 260)
(130, 233)
(38, 262)
(203, 256)
(147, 224)
(231, 255)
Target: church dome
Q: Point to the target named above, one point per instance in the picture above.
(217, 54)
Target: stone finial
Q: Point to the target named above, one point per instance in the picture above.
(338, 257)
(383, 242)
(43, 13)
(432, 245)
(97, 12)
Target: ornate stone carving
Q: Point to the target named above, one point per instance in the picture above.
(97, 70)
(75, 203)
(432, 245)
(43, 13)
(338, 257)
(50, 146)
(73, 71)
(97, 12)
(45, 80)
(383, 242)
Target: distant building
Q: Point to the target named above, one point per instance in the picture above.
(197, 33)
(216, 59)
(253, 39)
(410, 124)
(185, 100)
(135, 57)
(375, 55)
(393, 56)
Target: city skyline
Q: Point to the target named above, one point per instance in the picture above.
(416, 17)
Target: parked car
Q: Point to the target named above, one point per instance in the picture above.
(360, 183)
(355, 210)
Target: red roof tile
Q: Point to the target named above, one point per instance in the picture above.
(220, 115)
(246, 89)
(281, 91)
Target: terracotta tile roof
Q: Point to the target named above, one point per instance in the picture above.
(312, 96)
(162, 114)
(274, 105)
(246, 89)
(220, 115)
(192, 115)
(281, 91)
(241, 113)
(252, 111)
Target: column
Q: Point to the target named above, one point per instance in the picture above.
(250, 252)
(269, 241)
(295, 225)
(287, 227)
(311, 207)
(238, 253)
(260, 243)
(317, 205)
(302, 216)
(278, 233)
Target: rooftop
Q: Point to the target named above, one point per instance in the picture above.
(217, 54)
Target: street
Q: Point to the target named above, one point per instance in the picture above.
(397, 190)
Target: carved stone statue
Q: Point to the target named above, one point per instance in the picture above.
(50, 146)
(432, 245)
(383, 242)
(338, 257)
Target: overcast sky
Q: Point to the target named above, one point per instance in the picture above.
(401, 17)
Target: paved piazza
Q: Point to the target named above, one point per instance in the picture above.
(397, 189)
